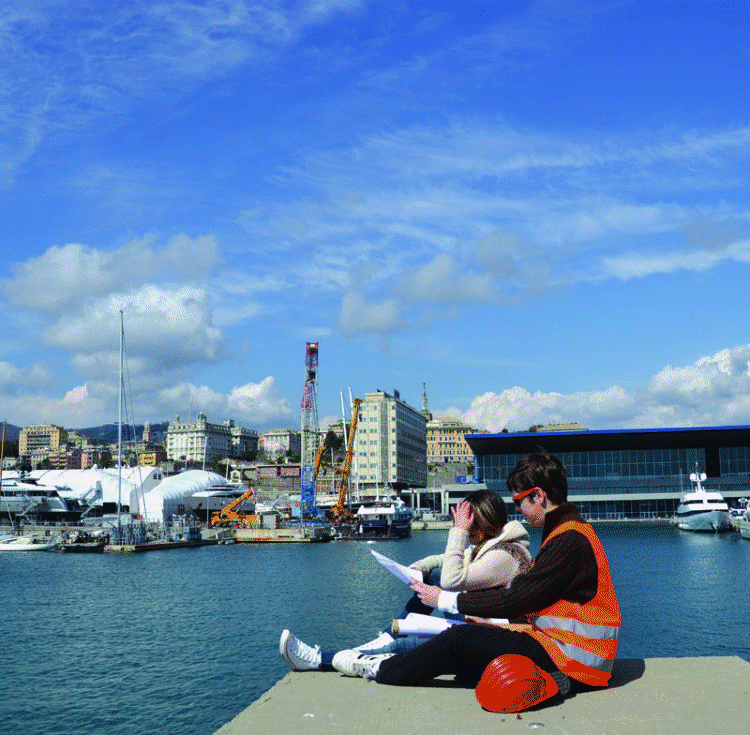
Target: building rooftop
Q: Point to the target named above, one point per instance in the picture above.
(602, 440)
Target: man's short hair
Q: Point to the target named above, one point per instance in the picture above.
(540, 470)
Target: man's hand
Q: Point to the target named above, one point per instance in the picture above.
(427, 593)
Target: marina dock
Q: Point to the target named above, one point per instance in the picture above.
(660, 696)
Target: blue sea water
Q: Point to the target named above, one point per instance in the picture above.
(179, 642)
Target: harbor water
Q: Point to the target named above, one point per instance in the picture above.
(179, 642)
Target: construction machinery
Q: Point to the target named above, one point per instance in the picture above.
(310, 432)
(228, 516)
(340, 511)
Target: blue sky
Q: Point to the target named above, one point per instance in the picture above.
(539, 209)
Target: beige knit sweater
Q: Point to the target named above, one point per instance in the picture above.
(498, 560)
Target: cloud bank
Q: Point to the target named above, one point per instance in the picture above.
(714, 390)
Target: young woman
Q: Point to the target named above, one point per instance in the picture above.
(483, 550)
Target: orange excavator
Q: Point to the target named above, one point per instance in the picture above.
(228, 515)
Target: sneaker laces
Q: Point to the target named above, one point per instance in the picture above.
(306, 653)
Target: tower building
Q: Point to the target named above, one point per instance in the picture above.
(391, 444)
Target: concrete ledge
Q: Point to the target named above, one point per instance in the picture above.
(646, 697)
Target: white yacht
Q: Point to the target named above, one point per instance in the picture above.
(743, 523)
(737, 511)
(701, 509)
(218, 497)
(390, 519)
(28, 543)
(24, 498)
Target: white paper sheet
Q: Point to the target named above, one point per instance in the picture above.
(405, 574)
(423, 625)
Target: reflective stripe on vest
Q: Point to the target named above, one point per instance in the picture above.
(608, 632)
(581, 639)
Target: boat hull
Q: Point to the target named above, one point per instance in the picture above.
(24, 544)
(710, 521)
(382, 528)
(90, 547)
(744, 526)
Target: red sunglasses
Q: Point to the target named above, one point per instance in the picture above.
(518, 498)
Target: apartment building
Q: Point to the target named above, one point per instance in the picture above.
(44, 436)
(278, 442)
(446, 443)
(199, 441)
(391, 444)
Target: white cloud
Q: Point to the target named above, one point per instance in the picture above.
(15, 381)
(64, 276)
(166, 329)
(356, 316)
(76, 409)
(441, 280)
(639, 265)
(715, 390)
(252, 404)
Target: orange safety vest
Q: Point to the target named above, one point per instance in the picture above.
(581, 639)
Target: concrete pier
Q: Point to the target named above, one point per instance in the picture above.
(645, 697)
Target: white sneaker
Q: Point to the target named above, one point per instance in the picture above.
(383, 641)
(356, 663)
(297, 654)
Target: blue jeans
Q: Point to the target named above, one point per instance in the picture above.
(402, 643)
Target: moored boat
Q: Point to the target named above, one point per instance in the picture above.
(84, 542)
(27, 543)
(24, 498)
(737, 511)
(702, 510)
(390, 519)
(743, 524)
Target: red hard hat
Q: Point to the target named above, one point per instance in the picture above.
(513, 683)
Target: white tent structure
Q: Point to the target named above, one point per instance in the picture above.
(168, 498)
(91, 487)
(145, 478)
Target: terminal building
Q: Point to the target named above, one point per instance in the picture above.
(638, 473)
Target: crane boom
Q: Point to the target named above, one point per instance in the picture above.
(340, 511)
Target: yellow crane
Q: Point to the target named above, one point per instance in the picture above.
(340, 512)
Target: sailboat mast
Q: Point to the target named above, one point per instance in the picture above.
(119, 425)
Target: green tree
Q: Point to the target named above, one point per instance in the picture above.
(217, 464)
(333, 443)
(11, 448)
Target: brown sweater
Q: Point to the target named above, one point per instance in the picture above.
(565, 568)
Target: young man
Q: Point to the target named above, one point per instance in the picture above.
(567, 601)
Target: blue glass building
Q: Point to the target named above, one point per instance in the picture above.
(639, 473)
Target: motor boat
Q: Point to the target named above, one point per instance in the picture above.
(24, 498)
(743, 523)
(391, 519)
(738, 510)
(28, 543)
(85, 542)
(701, 509)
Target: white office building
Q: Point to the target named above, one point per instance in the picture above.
(200, 441)
(391, 444)
(276, 443)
